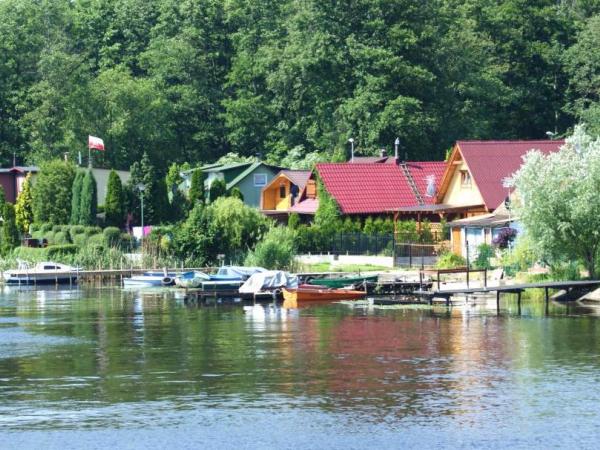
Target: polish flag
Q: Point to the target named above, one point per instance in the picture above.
(95, 142)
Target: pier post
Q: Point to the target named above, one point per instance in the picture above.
(519, 302)
(498, 302)
(547, 300)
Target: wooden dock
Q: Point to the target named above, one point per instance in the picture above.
(518, 289)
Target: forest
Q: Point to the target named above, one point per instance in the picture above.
(192, 80)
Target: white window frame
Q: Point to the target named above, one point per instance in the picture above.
(259, 183)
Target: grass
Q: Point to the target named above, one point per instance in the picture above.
(327, 267)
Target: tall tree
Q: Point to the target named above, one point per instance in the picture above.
(114, 205)
(76, 197)
(52, 192)
(24, 206)
(196, 192)
(10, 233)
(88, 203)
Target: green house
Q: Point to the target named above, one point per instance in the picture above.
(250, 178)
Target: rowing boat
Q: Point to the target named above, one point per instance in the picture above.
(343, 281)
(304, 293)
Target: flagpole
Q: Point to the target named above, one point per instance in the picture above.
(89, 156)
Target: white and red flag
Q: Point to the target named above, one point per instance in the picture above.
(95, 142)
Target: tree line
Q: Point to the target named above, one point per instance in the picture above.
(191, 80)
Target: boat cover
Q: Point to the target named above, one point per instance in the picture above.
(239, 271)
(268, 280)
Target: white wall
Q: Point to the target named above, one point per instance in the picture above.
(341, 260)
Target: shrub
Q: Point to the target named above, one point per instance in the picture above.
(80, 240)
(90, 231)
(293, 221)
(55, 252)
(96, 240)
(45, 227)
(115, 201)
(60, 238)
(112, 236)
(485, 252)
(276, 251)
(449, 260)
(75, 230)
(127, 242)
(505, 237)
(34, 227)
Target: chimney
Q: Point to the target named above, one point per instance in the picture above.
(396, 144)
(383, 153)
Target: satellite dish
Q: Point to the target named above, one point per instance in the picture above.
(430, 192)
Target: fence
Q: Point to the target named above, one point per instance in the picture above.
(421, 255)
(406, 254)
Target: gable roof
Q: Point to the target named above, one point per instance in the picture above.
(367, 188)
(491, 161)
(298, 177)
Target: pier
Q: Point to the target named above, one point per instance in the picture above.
(517, 289)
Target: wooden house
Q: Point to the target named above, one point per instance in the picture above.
(475, 185)
(12, 178)
(290, 191)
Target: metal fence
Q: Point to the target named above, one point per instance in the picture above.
(419, 255)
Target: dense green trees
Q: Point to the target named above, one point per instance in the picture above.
(193, 79)
(144, 173)
(196, 192)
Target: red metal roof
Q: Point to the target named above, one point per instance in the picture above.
(367, 188)
(491, 161)
(421, 171)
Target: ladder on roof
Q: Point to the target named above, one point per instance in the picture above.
(412, 184)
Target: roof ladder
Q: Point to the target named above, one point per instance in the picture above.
(411, 183)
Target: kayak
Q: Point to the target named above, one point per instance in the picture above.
(304, 293)
(343, 281)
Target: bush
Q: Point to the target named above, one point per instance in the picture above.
(96, 240)
(45, 227)
(127, 242)
(80, 240)
(276, 251)
(61, 238)
(112, 236)
(76, 230)
(449, 260)
(92, 230)
(485, 253)
(34, 227)
(60, 251)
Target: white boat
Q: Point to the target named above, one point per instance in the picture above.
(150, 279)
(42, 273)
(191, 279)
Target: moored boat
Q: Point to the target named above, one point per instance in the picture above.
(311, 293)
(340, 282)
(150, 279)
(191, 279)
(42, 273)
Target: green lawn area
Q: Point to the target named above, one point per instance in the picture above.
(327, 267)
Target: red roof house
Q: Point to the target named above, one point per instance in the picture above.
(368, 188)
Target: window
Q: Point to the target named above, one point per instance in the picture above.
(282, 191)
(465, 179)
(260, 179)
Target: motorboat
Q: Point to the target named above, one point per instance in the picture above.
(42, 273)
(191, 279)
(150, 279)
(268, 282)
(235, 273)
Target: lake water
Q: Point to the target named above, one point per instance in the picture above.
(97, 368)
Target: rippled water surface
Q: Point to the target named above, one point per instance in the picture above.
(97, 368)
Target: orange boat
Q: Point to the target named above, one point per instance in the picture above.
(315, 293)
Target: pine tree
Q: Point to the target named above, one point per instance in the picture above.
(76, 197)
(217, 189)
(10, 233)
(114, 205)
(88, 204)
(197, 187)
(24, 206)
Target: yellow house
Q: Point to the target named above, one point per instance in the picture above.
(290, 191)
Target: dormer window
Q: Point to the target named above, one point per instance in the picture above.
(465, 179)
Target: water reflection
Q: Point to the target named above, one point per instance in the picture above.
(108, 357)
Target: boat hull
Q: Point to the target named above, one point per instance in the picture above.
(343, 281)
(304, 294)
(41, 280)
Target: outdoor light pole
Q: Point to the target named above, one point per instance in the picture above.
(351, 140)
